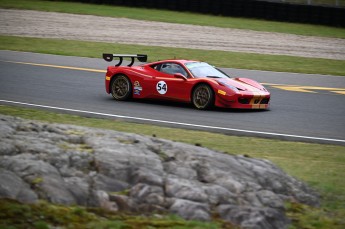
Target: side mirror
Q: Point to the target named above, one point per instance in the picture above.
(180, 76)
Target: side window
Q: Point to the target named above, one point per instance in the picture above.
(172, 68)
(156, 67)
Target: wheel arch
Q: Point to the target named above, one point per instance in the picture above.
(121, 74)
(197, 84)
(213, 95)
(113, 78)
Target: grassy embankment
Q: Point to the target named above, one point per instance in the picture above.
(220, 58)
(321, 166)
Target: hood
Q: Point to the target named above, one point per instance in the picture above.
(242, 84)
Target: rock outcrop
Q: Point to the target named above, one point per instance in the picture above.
(67, 164)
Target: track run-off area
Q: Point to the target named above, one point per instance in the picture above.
(304, 107)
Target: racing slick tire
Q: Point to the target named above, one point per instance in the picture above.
(203, 97)
(121, 88)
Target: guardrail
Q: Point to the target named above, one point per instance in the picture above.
(277, 11)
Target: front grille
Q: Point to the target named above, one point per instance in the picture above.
(243, 100)
(265, 101)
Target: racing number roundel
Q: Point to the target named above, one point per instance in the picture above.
(162, 87)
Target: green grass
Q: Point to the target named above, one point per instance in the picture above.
(44, 216)
(175, 17)
(218, 58)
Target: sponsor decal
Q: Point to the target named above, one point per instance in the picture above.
(137, 88)
(107, 78)
(221, 92)
(162, 87)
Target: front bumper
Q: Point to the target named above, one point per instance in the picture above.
(242, 101)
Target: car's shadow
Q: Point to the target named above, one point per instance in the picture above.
(188, 106)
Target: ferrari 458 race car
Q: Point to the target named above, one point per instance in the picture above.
(185, 81)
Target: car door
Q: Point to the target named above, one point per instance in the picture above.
(167, 86)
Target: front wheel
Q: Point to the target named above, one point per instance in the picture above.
(121, 87)
(203, 97)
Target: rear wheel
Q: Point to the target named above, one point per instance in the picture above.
(121, 87)
(203, 97)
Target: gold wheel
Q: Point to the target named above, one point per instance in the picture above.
(121, 87)
(203, 96)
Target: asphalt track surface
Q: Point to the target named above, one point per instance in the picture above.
(76, 85)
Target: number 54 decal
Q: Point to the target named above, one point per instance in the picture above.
(162, 87)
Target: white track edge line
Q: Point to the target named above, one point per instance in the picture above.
(176, 123)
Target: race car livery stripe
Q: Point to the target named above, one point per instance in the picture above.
(256, 91)
(141, 74)
(167, 78)
(255, 100)
(259, 106)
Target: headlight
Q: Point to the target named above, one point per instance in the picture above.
(232, 88)
(225, 84)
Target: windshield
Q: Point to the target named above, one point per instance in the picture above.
(201, 70)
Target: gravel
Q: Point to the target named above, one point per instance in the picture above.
(26, 23)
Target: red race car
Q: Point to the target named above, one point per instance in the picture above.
(182, 80)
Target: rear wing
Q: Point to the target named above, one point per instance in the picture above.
(109, 57)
